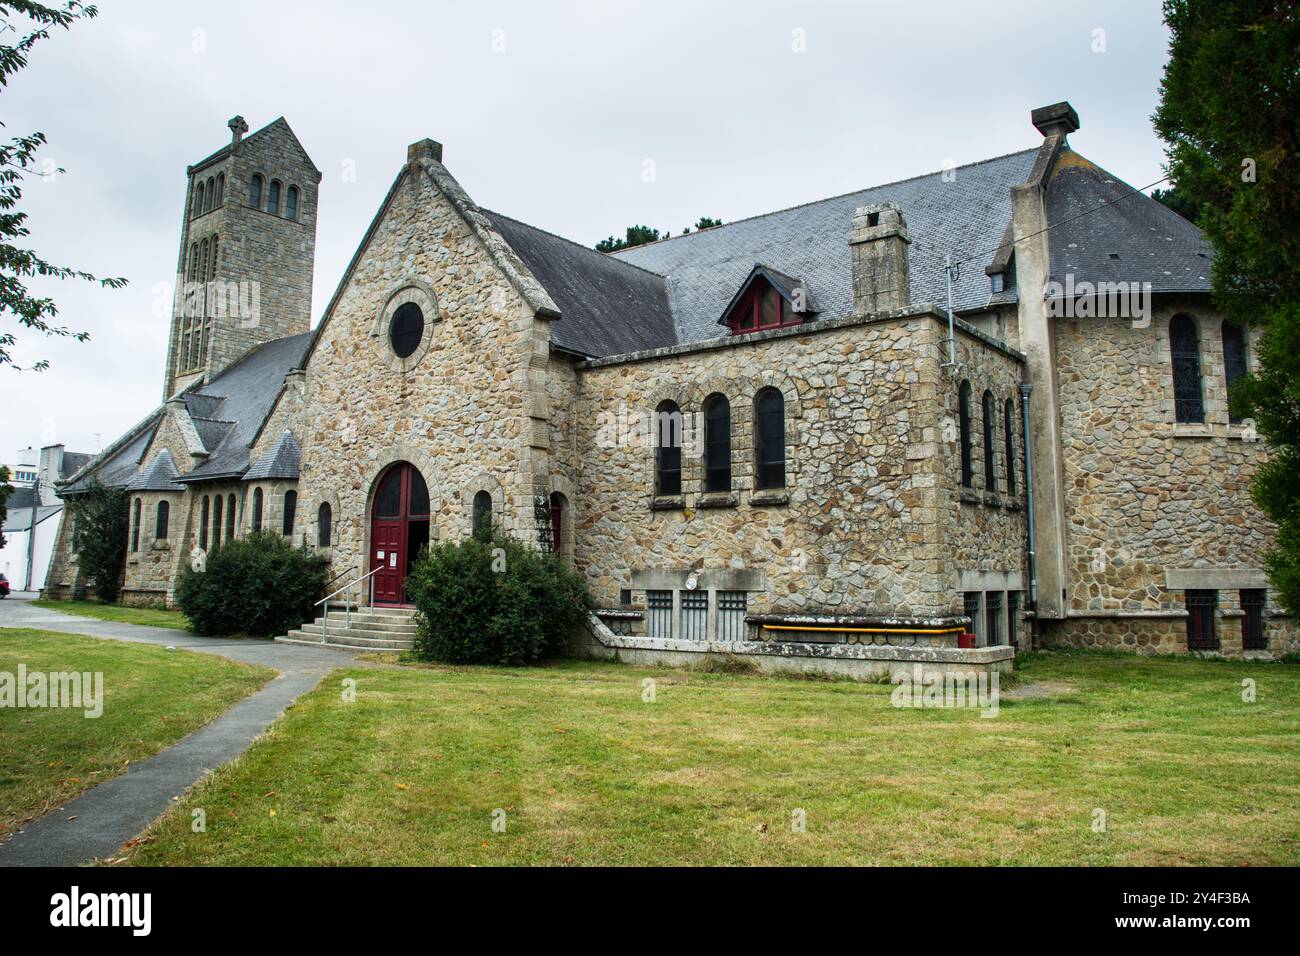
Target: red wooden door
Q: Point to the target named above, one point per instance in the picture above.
(399, 514)
(387, 552)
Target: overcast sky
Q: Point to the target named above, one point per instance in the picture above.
(548, 112)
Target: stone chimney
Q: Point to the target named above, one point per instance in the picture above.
(237, 129)
(1057, 119)
(879, 246)
(424, 149)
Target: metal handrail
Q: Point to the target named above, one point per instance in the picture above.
(347, 605)
(346, 586)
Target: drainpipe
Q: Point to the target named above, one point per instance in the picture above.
(952, 339)
(1025, 390)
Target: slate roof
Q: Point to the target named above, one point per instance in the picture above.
(1105, 232)
(607, 306)
(73, 462)
(118, 463)
(228, 412)
(21, 520)
(963, 216)
(160, 475)
(20, 497)
(280, 461)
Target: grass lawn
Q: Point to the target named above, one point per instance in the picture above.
(152, 698)
(151, 616)
(712, 771)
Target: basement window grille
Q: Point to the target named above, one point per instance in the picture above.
(659, 613)
(1200, 620)
(993, 617)
(695, 615)
(1013, 617)
(971, 602)
(1252, 623)
(732, 606)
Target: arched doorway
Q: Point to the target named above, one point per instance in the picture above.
(399, 528)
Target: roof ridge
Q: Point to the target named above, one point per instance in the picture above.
(572, 242)
(814, 202)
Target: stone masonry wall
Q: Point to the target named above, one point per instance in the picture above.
(858, 527)
(457, 408)
(1147, 496)
(254, 246)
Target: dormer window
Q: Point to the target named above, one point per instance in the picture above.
(761, 305)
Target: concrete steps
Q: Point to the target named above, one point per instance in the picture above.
(372, 628)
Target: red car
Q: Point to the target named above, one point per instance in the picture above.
(4, 587)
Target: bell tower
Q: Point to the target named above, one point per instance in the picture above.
(248, 246)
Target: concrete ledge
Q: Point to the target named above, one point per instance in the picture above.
(1214, 579)
(853, 661)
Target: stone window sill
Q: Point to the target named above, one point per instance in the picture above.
(1192, 430)
(969, 496)
(767, 499)
(673, 503)
(162, 545)
(133, 559)
(717, 499)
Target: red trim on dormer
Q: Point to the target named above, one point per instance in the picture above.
(747, 315)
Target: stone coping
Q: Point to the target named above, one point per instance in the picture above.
(923, 310)
(874, 652)
(620, 613)
(859, 620)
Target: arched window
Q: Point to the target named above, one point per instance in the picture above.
(717, 443)
(212, 272)
(291, 203)
(203, 261)
(1008, 418)
(482, 523)
(273, 198)
(255, 191)
(135, 526)
(160, 525)
(290, 511)
(324, 524)
(769, 439)
(212, 195)
(668, 449)
(1185, 355)
(990, 423)
(203, 524)
(1235, 363)
(963, 422)
(230, 517)
(198, 200)
(216, 522)
(257, 509)
(221, 188)
(194, 262)
(558, 508)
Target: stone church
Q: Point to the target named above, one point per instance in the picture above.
(836, 437)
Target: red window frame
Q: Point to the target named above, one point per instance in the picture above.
(747, 316)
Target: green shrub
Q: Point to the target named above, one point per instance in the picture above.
(100, 523)
(259, 585)
(494, 600)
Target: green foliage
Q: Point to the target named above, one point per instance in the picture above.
(259, 585)
(1177, 201)
(494, 601)
(1229, 101)
(101, 520)
(640, 235)
(17, 162)
(635, 236)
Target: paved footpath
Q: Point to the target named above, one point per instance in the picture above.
(119, 809)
